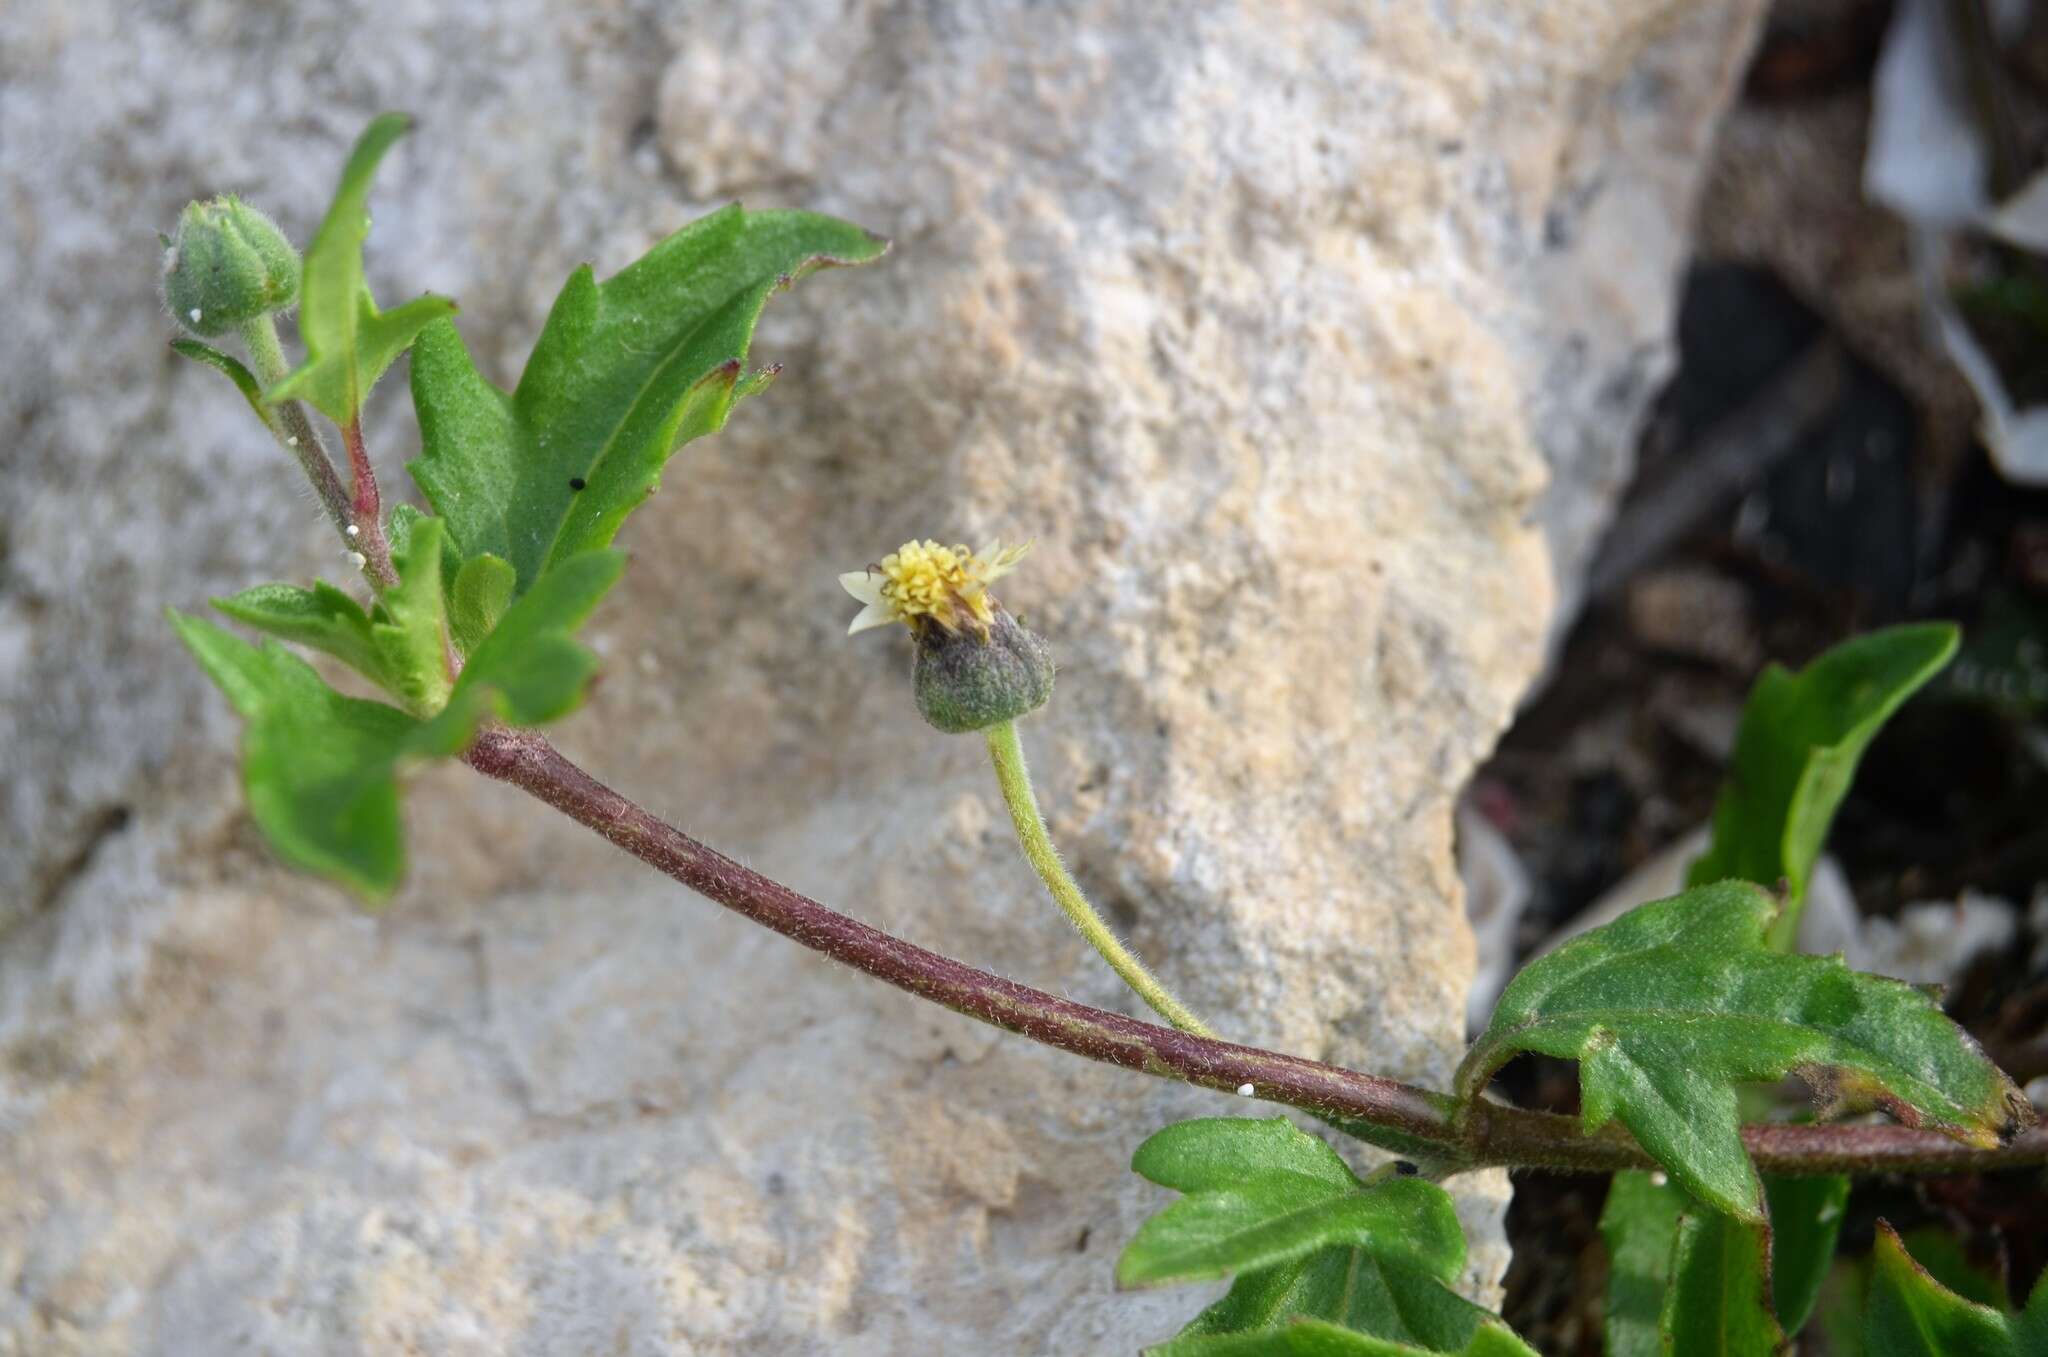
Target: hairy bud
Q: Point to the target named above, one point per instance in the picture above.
(227, 264)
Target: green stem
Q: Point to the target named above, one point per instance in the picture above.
(294, 430)
(1007, 753)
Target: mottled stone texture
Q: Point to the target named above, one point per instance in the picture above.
(1262, 319)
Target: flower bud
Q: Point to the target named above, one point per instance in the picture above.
(970, 679)
(227, 264)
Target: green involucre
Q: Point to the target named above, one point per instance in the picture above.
(227, 264)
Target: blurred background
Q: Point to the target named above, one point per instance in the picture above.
(1850, 439)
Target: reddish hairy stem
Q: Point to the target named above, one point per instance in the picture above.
(1400, 1116)
(368, 508)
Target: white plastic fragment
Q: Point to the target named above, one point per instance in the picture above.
(1929, 162)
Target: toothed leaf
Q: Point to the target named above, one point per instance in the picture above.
(1671, 1006)
(349, 342)
(625, 372)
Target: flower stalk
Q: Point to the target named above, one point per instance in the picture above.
(1006, 752)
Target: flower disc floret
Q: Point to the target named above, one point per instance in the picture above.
(923, 584)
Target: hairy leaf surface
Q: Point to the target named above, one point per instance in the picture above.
(625, 372)
(322, 770)
(1671, 1006)
(321, 618)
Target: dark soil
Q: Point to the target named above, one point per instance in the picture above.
(1857, 524)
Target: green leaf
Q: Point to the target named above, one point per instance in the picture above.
(1806, 1218)
(320, 769)
(1640, 1227)
(1262, 1193)
(409, 627)
(624, 373)
(322, 618)
(1683, 1279)
(1671, 1006)
(1909, 1314)
(349, 342)
(244, 380)
(1309, 1241)
(477, 599)
(1320, 1338)
(1718, 1304)
(1406, 1310)
(1796, 752)
(529, 669)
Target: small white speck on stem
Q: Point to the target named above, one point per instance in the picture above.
(194, 313)
(1245, 1090)
(1659, 1178)
(354, 531)
(292, 442)
(358, 560)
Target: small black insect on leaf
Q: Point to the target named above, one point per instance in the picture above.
(576, 482)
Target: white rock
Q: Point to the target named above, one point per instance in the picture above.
(1270, 323)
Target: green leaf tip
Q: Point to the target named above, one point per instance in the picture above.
(349, 342)
(625, 372)
(1801, 736)
(1671, 1006)
(1909, 1314)
(1319, 1256)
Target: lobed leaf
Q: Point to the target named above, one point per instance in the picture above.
(320, 770)
(1261, 1193)
(624, 373)
(1796, 752)
(1671, 1006)
(1322, 1258)
(349, 342)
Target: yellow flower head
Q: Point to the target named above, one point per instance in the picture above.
(921, 583)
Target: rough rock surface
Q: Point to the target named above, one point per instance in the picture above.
(1262, 321)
